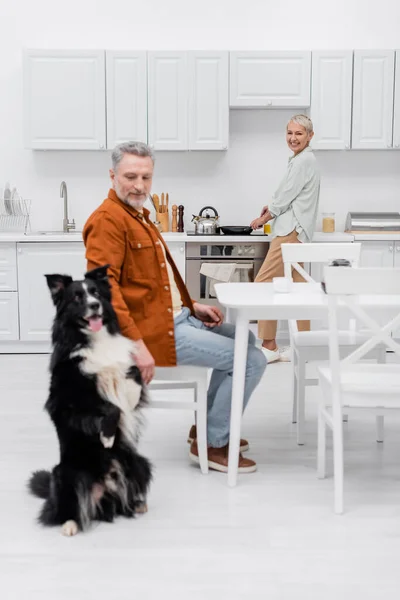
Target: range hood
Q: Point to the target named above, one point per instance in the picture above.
(373, 222)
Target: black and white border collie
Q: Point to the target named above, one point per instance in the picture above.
(95, 402)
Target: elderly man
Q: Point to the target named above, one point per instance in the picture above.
(153, 305)
(294, 209)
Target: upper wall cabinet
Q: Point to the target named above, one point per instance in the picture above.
(64, 99)
(396, 122)
(270, 79)
(208, 100)
(331, 91)
(126, 97)
(188, 100)
(373, 99)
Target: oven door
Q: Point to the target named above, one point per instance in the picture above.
(201, 287)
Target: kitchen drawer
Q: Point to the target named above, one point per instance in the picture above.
(8, 267)
(9, 321)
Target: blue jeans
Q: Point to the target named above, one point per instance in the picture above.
(198, 345)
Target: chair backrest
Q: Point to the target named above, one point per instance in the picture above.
(293, 254)
(358, 290)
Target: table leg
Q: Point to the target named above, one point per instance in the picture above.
(239, 369)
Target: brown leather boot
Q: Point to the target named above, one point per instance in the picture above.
(244, 444)
(218, 459)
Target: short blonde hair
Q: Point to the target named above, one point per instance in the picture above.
(302, 120)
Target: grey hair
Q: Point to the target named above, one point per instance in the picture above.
(136, 148)
(304, 121)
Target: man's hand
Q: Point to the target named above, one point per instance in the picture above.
(264, 218)
(210, 315)
(144, 361)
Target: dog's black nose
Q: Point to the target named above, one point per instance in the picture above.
(94, 306)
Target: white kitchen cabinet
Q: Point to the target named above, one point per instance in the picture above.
(64, 99)
(35, 259)
(8, 267)
(396, 116)
(126, 97)
(208, 100)
(331, 94)
(270, 79)
(377, 253)
(167, 100)
(9, 326)
(178, 253)
(373, 99)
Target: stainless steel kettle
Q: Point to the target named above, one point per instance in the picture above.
(206, 225)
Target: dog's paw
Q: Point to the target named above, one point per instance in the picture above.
(107, 442)
(141, 508)
(69, 528)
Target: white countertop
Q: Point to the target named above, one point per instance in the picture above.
(376, 237)
(184, 237)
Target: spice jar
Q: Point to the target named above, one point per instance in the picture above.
(328, 222)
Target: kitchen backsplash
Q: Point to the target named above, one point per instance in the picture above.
(237, 182)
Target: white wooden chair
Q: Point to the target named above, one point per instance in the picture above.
(190, 378)
(346, 384)
(311, 346)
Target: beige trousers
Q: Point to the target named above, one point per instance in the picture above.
(273, 267)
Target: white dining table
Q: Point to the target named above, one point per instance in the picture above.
(256, 301)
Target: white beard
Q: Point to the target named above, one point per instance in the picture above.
(136, 204)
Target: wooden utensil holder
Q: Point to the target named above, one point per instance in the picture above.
(164, 220)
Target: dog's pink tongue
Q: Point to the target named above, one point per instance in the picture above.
(95, 323)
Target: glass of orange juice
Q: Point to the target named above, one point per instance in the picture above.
(267, 228)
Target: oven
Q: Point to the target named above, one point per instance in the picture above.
(247, 259)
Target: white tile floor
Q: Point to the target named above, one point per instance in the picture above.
(274, 536)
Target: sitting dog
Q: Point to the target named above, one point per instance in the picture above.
(95, 402)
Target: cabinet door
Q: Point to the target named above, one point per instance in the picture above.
(377, 254)
(9, 327)
(8, 267)
(126, 97)
(332, 78)
(208, 100)
(397, 255)
(270, 79)
(373, 99)
(36, 309)
(177, 250)
(396, 121)
(168, 100)
(64, 99)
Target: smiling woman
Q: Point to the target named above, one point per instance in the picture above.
(294, 209)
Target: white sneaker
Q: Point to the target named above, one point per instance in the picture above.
(280, 354)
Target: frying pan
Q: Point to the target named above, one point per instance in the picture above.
(236, 230)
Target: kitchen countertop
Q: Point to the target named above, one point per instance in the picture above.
(183, 237)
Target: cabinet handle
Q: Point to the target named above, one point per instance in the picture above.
(347, 146)
(390, 248)
(101, 147)
(398, 248)
(397, 145)
(20, 250)
(181, 249)
(269, 103)
(388, 145)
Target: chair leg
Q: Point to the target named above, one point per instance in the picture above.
(321, 461)
(338, 466)
(294, 387)
(301, 392)
(380, 420)
(201, 425)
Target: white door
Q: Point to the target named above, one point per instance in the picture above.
(331, 89)
(396, 119)
(377, 254)
(208, 100)
(36, 309)
(177, 250)
(64, 99)
(373, 99)
(126, 97)
(167, 100)
(9, 327)
(270, 79)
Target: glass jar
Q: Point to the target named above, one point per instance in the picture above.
(328, 222)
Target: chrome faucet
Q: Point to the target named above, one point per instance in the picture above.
(67, 224)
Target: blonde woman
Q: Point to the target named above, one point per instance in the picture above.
(294, 209)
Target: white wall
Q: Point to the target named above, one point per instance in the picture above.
(238, 182)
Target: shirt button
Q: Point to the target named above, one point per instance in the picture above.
(169, 310)
(139, 245)
(158, 243)
(170, 333)
(166, 288)
(162, 265)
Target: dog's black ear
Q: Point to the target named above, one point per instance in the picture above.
(98, 274)
(58, 283)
